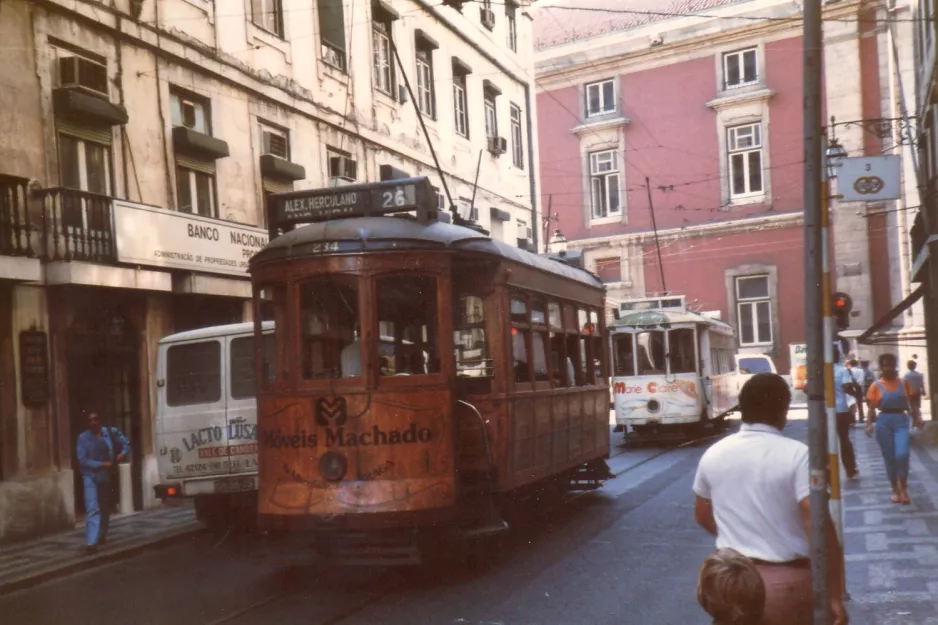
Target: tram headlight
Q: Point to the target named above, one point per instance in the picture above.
(333, 466)
(654, 405)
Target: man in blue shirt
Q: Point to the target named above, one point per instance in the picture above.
(98, 457)
(844, 385)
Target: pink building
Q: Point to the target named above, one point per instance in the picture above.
(685, 116)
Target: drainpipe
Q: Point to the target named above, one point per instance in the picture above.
(532, 181)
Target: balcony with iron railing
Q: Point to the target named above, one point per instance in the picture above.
(19, 227)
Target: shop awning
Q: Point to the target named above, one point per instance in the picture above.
(867, 338)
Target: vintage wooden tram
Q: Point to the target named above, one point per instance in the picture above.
(422, 374)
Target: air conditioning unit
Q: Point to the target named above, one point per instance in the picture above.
(75, 71)
(488, 18)
(402, 94)
(276, 144)
(526, 232)
(188, 113)
(343, 168)
(498, 145)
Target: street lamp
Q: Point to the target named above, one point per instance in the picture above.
(835, 155)
(558, 242)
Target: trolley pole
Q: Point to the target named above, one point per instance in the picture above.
(814, 311)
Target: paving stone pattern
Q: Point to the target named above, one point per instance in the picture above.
(30, 558)
(891, 549)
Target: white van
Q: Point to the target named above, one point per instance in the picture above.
(747, 365)
(206, 418)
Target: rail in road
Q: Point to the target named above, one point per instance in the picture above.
(384, 582)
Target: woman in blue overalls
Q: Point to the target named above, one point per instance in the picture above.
(889, 396)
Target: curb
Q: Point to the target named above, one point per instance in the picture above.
(82, 563)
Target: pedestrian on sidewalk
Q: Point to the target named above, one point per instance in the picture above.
(100, 451)
(753, 494)
(890, 397)
(916, 382)
(857, 393)
(730, 589)
(844, 388)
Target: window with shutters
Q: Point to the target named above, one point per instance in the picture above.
(491, 116)
(754, 310)
(84, 163)
(604, 184)
(196, 191)
(740, 68)
(332, 33)
(343, 169)
(268, 14)
(382, 34)
(426, 99)
(600, 97)
(744, 147)
(517, 147)
(511, 25)
(460, 101)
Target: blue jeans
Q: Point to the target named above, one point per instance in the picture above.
(892, 434)
(97, 508)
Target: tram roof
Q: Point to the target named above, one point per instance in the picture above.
(363, 234)
(215, 331)
(664, 318)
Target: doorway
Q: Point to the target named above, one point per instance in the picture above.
(103, 353)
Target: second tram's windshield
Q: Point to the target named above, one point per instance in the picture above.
(655, 352)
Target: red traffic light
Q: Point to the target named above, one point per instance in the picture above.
(842, 302)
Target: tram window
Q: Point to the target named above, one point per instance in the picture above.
(537, 312)
(540, 358)
(650, 347)
(471, 348)
(553, 316)
(569, 318)
(407, 308)
(519, 310)
(624, 354)
(272, 302)
(574, 361)
(193, 373)
(558, 363)
(519, 355)
(681, 350)
(330, 334)
(242, 365)
(595, 346)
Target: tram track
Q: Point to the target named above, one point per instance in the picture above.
(393, 580)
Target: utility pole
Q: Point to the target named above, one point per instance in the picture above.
(813, 306)
(654, 226)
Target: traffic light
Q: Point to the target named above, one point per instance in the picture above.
(841, 307)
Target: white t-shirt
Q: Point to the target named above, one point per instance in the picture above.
(754, 480)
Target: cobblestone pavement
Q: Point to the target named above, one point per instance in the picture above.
(32, 561)
(892, 550)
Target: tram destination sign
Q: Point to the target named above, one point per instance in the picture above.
(356, 200)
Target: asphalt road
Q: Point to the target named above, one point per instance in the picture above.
(626, 554)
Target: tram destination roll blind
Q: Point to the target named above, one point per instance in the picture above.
(357, 200)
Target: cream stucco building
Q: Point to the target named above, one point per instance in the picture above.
(139, 141)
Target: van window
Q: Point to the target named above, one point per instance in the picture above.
(754, 365)
(193, 373)
(243, 374)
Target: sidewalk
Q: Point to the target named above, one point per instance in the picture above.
(892, 550)
(34, 561)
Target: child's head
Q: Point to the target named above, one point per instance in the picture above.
(730, 588)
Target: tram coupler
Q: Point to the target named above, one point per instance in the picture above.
(590, 476)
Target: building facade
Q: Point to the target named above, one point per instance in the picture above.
(671, 153)
(140, 141)
(924, 234)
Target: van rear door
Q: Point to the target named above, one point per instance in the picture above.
(242, 406)
(193, 426)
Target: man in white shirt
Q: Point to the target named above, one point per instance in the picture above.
(752, 493)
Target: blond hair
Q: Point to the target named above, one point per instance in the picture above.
(731, 589)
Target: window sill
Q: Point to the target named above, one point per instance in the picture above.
(600, 123)
(746, 200)
(739, 97)
(602, 221)
(334, 72)
(269, 39)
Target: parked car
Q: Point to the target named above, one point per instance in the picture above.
(747, 365)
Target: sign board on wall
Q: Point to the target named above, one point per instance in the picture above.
(869, 179)
(151, 236)
(799, 365)
(34, 367)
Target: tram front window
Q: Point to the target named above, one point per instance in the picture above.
(329, 331)
(650, 346)
(624, 354)
(681, 352)
(407, 321)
